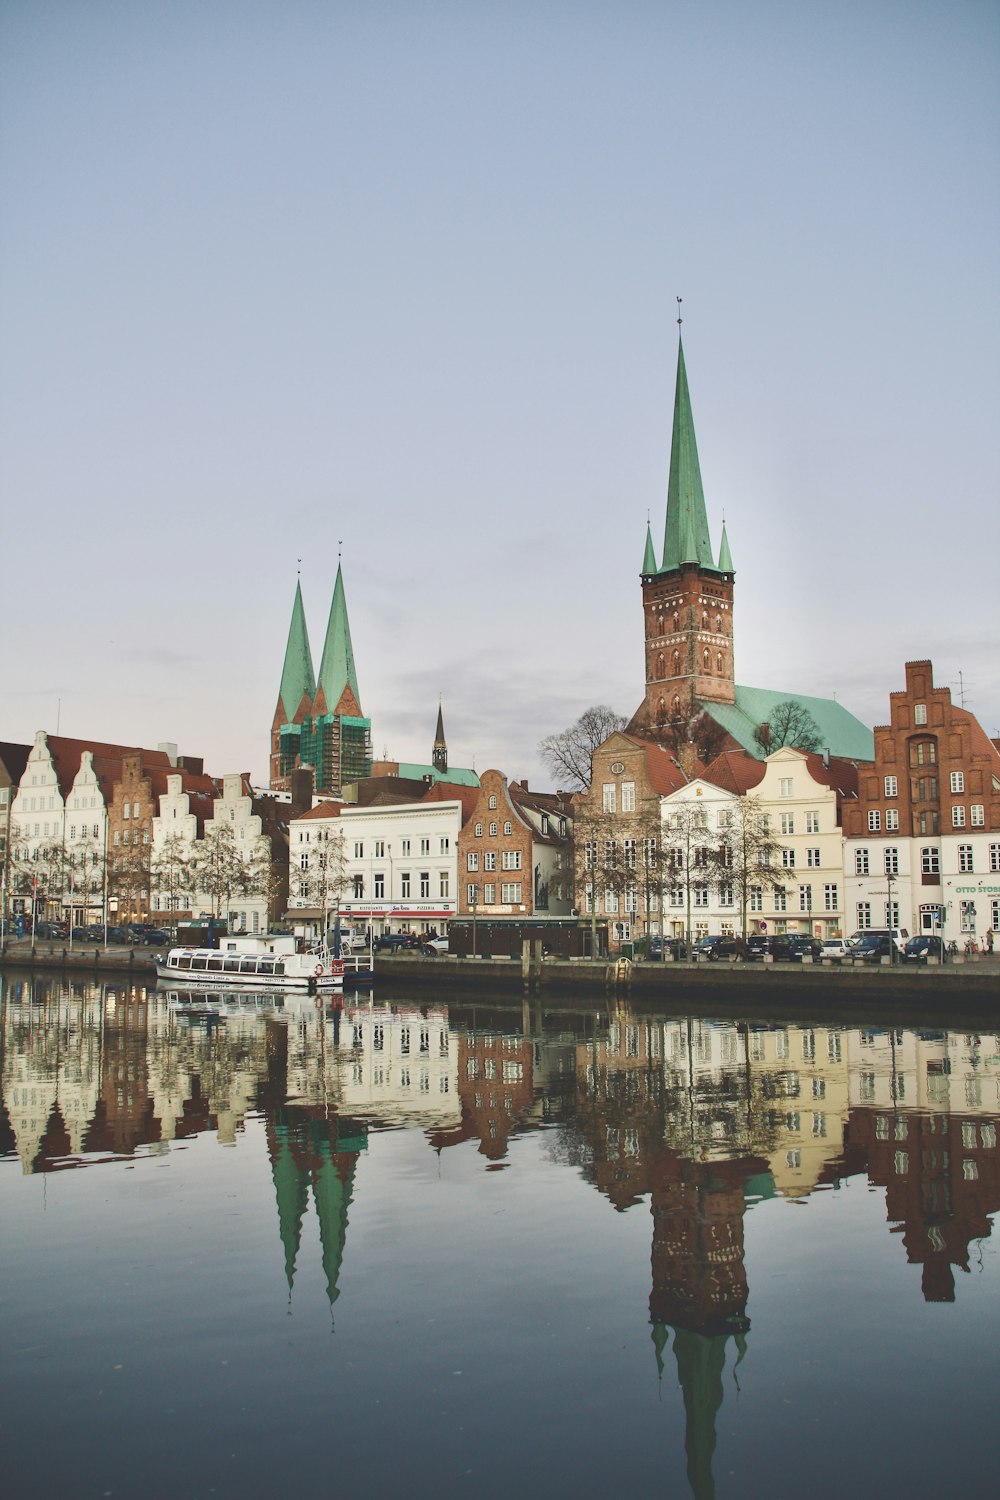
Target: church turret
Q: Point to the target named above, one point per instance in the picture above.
(725, 556)
(649, 560)
(439, 755)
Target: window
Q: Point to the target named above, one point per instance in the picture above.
(471, 894)
(404, 848)
(359, 849)
(995, 857)
(958, 781)
(610, 902)
(864, 914)
(805, 898)
(590, 854)
(359, 887)
(812, 822)
(726, 895)
(967, 910)
(425, 884)
(923, 753)
(479, 830)
(830, 897)
(920, 713)
(892, 861)
(780, 898)
(380, 848)
(508, 830)
(891, 786)
(861, 861)
(489, 859)
(493, 830)
(609, 797)
(511, 859)
(510, 893)
(874, 821)
(788, 822)
(493, 804)
(788, 859)
(725, 818)
(489, 893)
(404, 884)
(958, 816)
(756, 898)
(977, 815)
(472, 860)
(785, 786)
(701, 895)
(629, 846)
(378, 887)
(892, 820)
(628, 796)
(445, 845)
(965, 859)
(812, 859)
(425, 846)
(930, 861)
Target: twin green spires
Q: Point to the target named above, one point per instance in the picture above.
(336, 669)
(686, 536)
(297, 680)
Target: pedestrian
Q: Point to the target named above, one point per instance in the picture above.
(989, 941)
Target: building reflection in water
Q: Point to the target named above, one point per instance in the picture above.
(703, 1119)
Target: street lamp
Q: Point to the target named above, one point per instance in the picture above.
(474, 903)
(889, 878)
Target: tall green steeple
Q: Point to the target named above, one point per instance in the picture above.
(336, 669)
(297, 680)
(686, 536)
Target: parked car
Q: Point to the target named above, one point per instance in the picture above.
(718, 946)
(675, 947)
(395, 942)
(51, 930)
(777, 947)
(922, 946)
(834, 949)
(802, 944)
(433, 946)
(156, 937)
(898, 934)
(872, 948)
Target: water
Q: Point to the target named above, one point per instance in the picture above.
(494, 1252)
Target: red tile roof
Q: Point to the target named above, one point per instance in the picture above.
(736, 771)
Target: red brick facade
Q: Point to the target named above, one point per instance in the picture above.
(688, 618)
(933, 765)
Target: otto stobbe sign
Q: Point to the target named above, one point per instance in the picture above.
(977, 890)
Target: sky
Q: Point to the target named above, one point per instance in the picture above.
(397, 280)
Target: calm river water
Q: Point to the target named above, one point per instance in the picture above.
(446, 1249)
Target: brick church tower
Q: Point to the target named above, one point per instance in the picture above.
(687, 600)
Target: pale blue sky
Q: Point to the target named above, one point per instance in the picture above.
(404, 274)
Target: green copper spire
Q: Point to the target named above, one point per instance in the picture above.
(649, 560)
(297, 680)
(336, 670)
(725, 556)
(686, 529)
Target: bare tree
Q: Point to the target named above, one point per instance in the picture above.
(789, 723)
(173, 871)
(747, 857)
(690, 856)
(321, 877)
(567, 755)
(689, 727)
(219, 867)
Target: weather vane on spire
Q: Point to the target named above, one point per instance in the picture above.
(298, 570)
(340, 543)
(680, 320)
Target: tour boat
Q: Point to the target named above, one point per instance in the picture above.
(258, 963)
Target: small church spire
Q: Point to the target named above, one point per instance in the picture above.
(649, 559)
(439, 755)
(336, 669)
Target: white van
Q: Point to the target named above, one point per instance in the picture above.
(899, 935)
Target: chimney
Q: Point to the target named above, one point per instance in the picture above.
(826, 757)
(524, 786)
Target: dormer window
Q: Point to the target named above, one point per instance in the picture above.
(920, 713)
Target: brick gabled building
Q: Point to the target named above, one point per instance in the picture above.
(514, 852)
(922, 842)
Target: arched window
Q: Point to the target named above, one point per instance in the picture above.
(676, 664)
(676, 705)
(718, 624)
(718, 661)
(704, 619)
(676, 622)
(659, 665)
(704, 659)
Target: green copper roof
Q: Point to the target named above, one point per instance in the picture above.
(649, 560)
(336, 670)
(686, 530)
(410, 771)
(297, 674)
(725, 556)
(840, 732)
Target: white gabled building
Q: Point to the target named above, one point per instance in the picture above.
(694, 820)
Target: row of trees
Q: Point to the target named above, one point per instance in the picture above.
(642, 862)
(80, 874)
